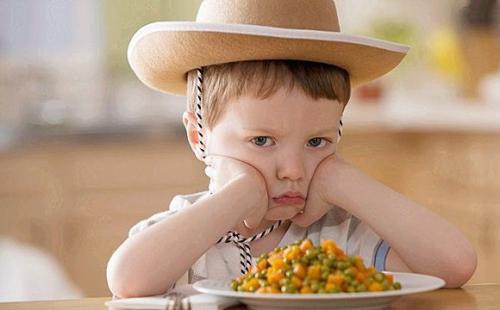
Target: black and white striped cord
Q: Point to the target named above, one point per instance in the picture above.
(243, 244)
(199, 90)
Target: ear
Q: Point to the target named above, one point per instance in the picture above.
(189, 121)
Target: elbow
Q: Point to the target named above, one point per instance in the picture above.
(462, 269)
(115, 279)
(118, 282)
(124, 283)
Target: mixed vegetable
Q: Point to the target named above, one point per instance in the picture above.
(302, 268)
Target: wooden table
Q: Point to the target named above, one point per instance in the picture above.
(479, 296)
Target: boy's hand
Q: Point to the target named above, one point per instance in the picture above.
(321, 188)
(223, 169)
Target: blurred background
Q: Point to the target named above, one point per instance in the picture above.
(86, 150)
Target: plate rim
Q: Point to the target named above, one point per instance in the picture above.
(327, 296)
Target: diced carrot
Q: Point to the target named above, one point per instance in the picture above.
(337, 279)
(292, 253)
(275, 290)
(360, 276)
(262, 264)
(330, 287)
(306, 290)
(328, 246)
(375, 287)
(390, 278)
(296, 282)
(275, 277)
(305, 245)
(277, 262)
(314, 272)
(299, 270)
(262, 290)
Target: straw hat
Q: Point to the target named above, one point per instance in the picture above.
(225, 31)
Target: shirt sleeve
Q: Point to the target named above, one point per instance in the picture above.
(177, 203)
(362, 240)
(155, 218)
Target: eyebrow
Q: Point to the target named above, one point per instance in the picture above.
(275, 132)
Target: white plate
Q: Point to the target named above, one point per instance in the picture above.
(411, 283)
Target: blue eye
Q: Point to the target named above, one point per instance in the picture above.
(316, 142)
(262, 141)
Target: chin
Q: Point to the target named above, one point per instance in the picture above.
(283, 212)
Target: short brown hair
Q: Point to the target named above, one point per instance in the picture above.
(262, 78)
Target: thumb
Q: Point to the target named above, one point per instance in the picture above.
(255, 218)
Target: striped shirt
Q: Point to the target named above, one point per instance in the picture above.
(221, 261)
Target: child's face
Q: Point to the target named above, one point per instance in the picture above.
(284, 136)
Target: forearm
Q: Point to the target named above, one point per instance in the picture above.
(149, 262)
(426, 242)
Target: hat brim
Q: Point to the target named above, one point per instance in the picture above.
(162, 53)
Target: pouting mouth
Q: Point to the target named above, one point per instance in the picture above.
(290, 195)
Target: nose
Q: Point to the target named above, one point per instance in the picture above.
(290, 166)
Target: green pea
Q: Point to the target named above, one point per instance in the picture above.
(379, 277)
(397, 285)
(361, 288)
(234, 285)
(351, 289)
(330, 262)
(334, 289)
(289, 289)
(324, 275)
(321, 256)
(324, 268)
(350, 272)
(315, 286)
(262, 274)
(285, 281)
(304, 260)
(349, 278)
(385, 285)
(352, 260)
(289, 273)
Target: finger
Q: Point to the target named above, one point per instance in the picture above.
(255, 218)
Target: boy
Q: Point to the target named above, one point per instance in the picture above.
(267, 83)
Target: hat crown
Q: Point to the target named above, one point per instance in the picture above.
(296, 14)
